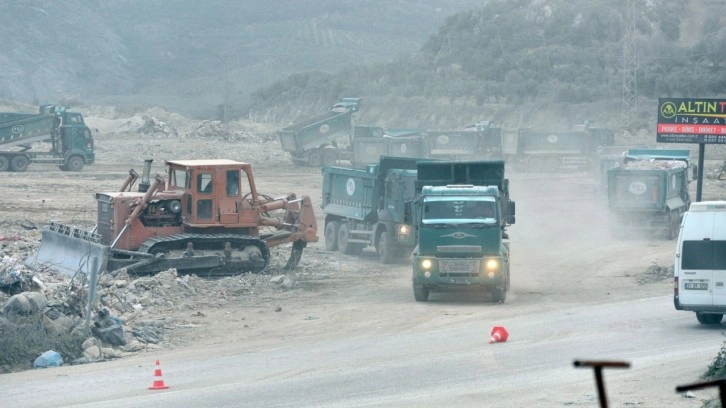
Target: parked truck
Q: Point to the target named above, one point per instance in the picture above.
(70, 140)
(323, 139)
(537, 150)
(648, 192)
(370, 143)
(459, 219)
(365, 208)
(480, 141)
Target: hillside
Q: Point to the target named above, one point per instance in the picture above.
(137, 53)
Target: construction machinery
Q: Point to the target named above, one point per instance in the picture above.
(206, 216)
(365, 207)
(648, 192)
(70, 141)
(459, 216)
(324, 139)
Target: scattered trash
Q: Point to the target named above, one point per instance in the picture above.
(48, 359)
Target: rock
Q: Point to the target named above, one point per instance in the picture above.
(277, 279)
(92, 353)
(108, 352)
(90, 342)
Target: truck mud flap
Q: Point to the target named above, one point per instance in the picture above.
(70, 251)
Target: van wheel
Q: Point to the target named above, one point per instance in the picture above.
(709, 318)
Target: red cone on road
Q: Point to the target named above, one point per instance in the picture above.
(499, 335)
(158, 383)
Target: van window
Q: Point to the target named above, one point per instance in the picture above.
(703, 255)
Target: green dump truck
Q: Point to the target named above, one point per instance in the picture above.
(70, 142)
(459, 219)
(648, 192)
(365, 208)
(370, 143)
(322, 140)
(537, 150)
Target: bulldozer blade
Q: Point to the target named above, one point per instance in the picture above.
(295, 255)
(70, 251)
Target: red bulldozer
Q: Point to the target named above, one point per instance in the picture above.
(207, 216)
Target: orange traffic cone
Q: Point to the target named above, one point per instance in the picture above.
(499, 335)
(158, 383)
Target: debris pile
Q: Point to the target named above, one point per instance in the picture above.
(131, 313)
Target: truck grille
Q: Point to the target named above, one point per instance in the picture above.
(458, 248)
(459, 268)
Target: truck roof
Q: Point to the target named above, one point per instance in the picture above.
(206, 162)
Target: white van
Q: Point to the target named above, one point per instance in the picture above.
(700, 264)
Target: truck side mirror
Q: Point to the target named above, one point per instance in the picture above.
(407, 212)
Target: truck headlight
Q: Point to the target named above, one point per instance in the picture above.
(404, 229)
(491, 264)
(426, 264)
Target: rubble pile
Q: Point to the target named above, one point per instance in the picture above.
(130, 313)
(654, 164)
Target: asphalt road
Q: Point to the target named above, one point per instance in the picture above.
(422, 367)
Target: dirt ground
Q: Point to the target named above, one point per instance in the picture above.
(561, 250)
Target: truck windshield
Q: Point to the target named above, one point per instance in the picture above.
(460, 210)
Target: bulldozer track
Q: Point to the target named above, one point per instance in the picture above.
(209, 242)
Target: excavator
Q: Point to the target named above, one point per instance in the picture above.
(206, 216)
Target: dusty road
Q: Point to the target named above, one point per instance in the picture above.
(576, 293)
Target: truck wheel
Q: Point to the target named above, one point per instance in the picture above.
(535, 165)
(675, 225)
(315, 158)
(74, 163)
(19, 163)
(420, 292)
(343, 235)
(330, 157)
(4, 163)
(331, 235)
(385, 252)
(708, 318)
(551, 165)
(499, 295)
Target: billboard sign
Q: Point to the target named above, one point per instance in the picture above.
(683, 120)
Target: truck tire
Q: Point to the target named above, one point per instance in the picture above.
(675, 225)
(331, 235)
(74, 163)
(551, 165)
(535, 165)
(385, 252)
(420, 292)
(348, 248)
(330, 157)
(315, 158)
(19, 163)
(708, 318)
(499, 295)
(4, 163)
(343, 234)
